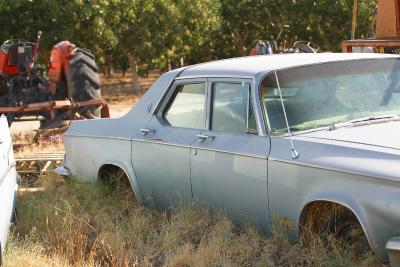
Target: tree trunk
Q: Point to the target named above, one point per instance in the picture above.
(109, 66)
(135, 77)
(239, 42)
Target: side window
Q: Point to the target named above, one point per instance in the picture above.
(187, 108)
(231, 108)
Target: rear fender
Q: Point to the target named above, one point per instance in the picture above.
(130, 173)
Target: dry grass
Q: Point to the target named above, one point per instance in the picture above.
(72, 223)
(23, 137)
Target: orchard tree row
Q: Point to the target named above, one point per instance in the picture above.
(160, 33)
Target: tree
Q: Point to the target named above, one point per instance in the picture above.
(153, 32)
(193, 36)
(328, 23)
(325, 22)
(80, 21)
(247, 21)
(158, 33)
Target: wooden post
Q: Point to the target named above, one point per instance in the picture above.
(388, 19)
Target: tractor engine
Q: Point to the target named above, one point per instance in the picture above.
(19, 83)
(72, 90)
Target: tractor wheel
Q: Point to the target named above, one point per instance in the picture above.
(10, 118)
(83, 82)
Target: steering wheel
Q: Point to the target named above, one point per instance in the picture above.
(18, 41)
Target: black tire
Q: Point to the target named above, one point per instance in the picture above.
(83, 82)
(14, 218)
(10, 118)
(346, 227)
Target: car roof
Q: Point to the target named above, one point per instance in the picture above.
(252, 66)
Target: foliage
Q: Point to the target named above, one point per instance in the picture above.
(324, 22)
(154, 33)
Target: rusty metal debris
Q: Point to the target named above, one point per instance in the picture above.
(32, 165)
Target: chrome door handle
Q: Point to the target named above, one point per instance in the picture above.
(201, 138)
(144, 131)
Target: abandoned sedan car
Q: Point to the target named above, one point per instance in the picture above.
(8, 183)
(312, 139)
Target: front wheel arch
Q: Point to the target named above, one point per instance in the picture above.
(318, 209)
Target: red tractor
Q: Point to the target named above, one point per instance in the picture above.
(72, 90)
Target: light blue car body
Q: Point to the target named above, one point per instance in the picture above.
(252, 177)
(8, 182)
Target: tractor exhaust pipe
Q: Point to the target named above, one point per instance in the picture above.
(36, 48)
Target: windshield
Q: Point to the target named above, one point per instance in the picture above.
(326, 94)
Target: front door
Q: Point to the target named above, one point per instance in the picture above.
(161, 155)
(229, 160)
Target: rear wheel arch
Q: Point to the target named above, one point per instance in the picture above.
(113, 169)
(315, 218)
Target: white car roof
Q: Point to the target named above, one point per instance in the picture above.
(255, 65)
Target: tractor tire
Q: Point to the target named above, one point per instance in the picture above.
(83, 82)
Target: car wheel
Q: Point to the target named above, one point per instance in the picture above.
(326, 219)
(346, 228)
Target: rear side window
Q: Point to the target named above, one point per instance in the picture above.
(231, 108)
(187, 108)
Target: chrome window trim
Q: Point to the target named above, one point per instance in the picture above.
(263, 111)
(259, 113)
(208, 105)
(225, 76)
(243, 82)
(161, 99)
(166, 101)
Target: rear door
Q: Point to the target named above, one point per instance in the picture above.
(161, 156)
(229, 159)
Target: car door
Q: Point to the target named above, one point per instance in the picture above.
(161, 156)
(8, 180)
(229, 159)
